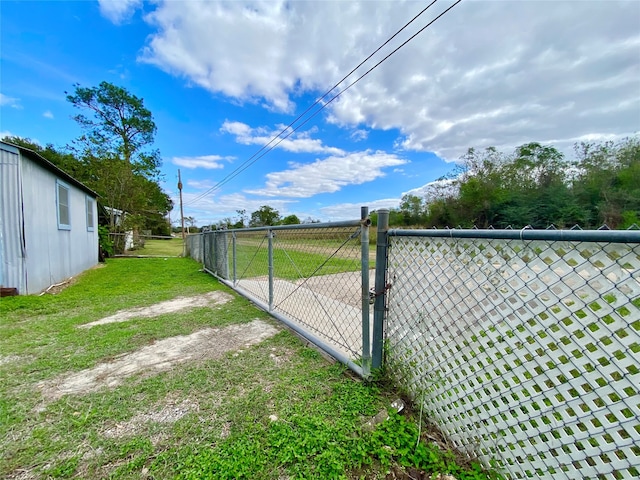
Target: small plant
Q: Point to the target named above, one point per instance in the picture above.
(104, 241)
(393, 444)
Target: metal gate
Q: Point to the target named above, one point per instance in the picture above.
(312, 277)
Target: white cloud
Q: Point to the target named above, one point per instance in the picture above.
(48, 114)
(436, 189)
(565, 60)
(486, 73)
(327, 175)
(118, 11)
(209, 162)
(200, 184)
(212, 208)
(6, 101)
(298, 142)
(351, 211)
(7, 133)
(359, 135)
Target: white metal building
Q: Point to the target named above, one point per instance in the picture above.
(48, 222)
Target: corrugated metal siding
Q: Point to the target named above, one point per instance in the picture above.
(12, 266)
(54, 255)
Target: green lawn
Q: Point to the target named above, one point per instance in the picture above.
(160, 247)
(275, 410)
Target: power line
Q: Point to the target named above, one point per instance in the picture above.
(318, 100)
(258, 155)
(243, 167)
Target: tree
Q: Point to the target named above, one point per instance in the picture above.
(607, 183)
(116, 155)
(242, 220)
(154, 205)
(119, 127)
(480, 188)
(191, 223)
(411, 209)
(290, 220)
(264, 216)
(536, 186)
(64, 160)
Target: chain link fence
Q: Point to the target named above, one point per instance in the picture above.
(194, 247)
(522, 346)
(313, 277)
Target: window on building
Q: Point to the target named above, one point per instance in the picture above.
(62, 200)
(90, 222)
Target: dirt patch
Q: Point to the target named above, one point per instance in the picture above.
(345, 287)
(170, 306)
(280, 357)
(160, 356)
(21, 474)
(169, 413)
(9, 359)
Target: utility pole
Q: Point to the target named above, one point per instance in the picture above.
(181, 210)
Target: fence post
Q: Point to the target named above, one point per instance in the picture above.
(203, 248)
(233, 250)
(222, 254)
(270, 252)
(364, 256)
(214, 264)
(380, 288)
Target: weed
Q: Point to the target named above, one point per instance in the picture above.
(64, 468)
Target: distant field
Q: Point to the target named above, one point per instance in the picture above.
(161, 247)
(291, 264)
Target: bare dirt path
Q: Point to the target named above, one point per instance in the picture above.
(170, 306)
(160, 356)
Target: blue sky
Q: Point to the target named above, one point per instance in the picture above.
(221, 78)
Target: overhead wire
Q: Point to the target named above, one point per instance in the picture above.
(279, 138)
(238, 171)
(318, 100)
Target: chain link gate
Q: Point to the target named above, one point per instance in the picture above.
(522, 346)
(313, 277)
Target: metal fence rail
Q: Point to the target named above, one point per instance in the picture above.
(522, 345)
(313, 277)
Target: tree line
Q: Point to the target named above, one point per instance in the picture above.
(533, 185)
(263, 216)
(114, 156)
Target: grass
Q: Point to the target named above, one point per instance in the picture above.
(173, 247)
(275, 410)
(290, 264)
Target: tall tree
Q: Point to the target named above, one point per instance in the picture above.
(607, 182)
(480, 187)
(242, 220)
(264, 216)
(117, 154)
(191, 223)
(291, 220)
(412, 209)
(119, 126)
